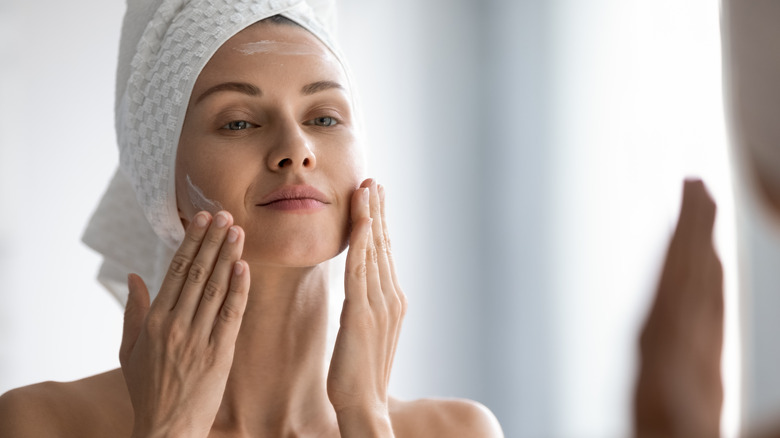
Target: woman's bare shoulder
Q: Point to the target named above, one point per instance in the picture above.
(437, 417)
(98, 403)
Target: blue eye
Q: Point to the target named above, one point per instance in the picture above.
(237, 125)
(325, 121)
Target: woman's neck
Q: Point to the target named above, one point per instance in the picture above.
(277, 385)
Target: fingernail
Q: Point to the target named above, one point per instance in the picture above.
(222, 220)
(232, 234)
(130, 285)
(381, 189)
(201, 220)
(238, 268)
(364, 195)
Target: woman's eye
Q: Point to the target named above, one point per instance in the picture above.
(324, 121)
(237, 125)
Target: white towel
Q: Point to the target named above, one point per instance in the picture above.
(164, 46)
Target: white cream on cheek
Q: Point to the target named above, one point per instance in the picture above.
(199, 200)
(277, 48)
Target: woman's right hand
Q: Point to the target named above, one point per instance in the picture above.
(177, 352)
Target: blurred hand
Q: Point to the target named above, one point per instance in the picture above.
(679, 392)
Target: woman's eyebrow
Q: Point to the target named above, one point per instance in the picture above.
(241, 87)
(316, 87)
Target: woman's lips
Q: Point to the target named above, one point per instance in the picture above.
(296, 204)
(294, 197)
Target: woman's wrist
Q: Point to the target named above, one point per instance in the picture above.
(157, 434)
(152, 434)
(162, 431)
(364, 422)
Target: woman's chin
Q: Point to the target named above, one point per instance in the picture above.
(294, 245)
(291, 256)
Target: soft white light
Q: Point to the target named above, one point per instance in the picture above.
(638, 109)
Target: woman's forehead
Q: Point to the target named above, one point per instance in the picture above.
(265, 45)
(290, 34)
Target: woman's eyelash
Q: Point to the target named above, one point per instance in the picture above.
(240, 125)
(325, 121)
(237, 125)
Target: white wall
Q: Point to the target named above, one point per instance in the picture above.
(57, 151)
(638, 106)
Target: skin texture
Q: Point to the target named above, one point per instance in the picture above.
(239, 167)
(679, 392)
(234, 343)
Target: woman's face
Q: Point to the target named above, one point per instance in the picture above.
(269, 136)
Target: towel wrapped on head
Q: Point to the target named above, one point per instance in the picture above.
(164, 46)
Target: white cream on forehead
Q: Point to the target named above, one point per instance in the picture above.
(277, 47)
(199, 200)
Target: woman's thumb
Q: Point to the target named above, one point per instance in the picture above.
(135, 312)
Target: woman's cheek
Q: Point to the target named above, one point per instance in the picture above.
(201, 189)
(199, 199)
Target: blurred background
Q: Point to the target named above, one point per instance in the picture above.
(533, 154)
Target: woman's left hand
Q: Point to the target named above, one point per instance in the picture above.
(374, 307)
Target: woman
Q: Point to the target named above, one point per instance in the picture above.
(248, 161)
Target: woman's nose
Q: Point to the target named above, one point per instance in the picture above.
(292, 151)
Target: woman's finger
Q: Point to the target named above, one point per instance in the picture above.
(373, 282)
(355, 274)
(232, 310)
(181, 262)
(401, 311)
(380, 243)
(135, 313)
(359, 208)
(389, 246)
(373, 274)
(217, 286)
(202, 267)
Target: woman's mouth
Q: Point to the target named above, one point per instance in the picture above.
(301, 198)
